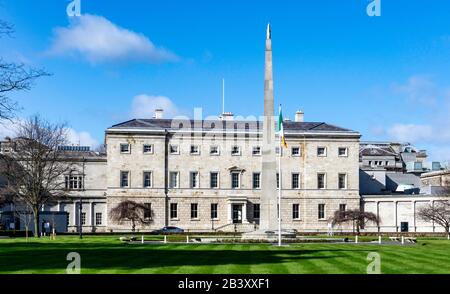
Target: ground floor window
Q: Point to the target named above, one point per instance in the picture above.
(295, 211)
(148, 211)
(342, 207)
(256, 211)
(173, 210)
(194, 210)
(321, 211)
(214, 210)
(83, 218)
(98, 219)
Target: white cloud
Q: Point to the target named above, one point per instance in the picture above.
(81, 138)
(99, 40)
(419, 89)
(8, 128)
(410, 132)
(143, 106)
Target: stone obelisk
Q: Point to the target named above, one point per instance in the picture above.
(269, 201)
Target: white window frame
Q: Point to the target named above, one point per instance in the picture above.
(239, 180)
(177, 173)
(325, 151)
(177, 152)
(196, 152)
(127, 172)
(345, 181)
(143, 179)
(253, 181)
(97, 223)
(197, 179)
(217, 181)
(196, 211)
(239, 151)
(324, 181)
(147, 145)
(216, 210)
(125, 152)
(346, 151)
(258, 153)
(171, 210)
(292, 151)
(211, 148)
(298, 211)
(298, 182)
(324, 211)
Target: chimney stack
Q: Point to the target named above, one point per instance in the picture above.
(159, 113)
(299, 116)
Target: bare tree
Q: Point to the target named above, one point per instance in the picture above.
(357, 217)
(14, 77)
(35, 169)
(133, 212)
(439, 213)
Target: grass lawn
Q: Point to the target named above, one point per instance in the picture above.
(106, 254)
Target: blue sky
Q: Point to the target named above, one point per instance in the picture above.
(386, 76)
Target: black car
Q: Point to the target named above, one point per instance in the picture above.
(169, 230)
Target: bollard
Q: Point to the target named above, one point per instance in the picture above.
(142, 239)
(403, 240)
(379, 239)
(187, 239)
(356, 239)
(165, 239)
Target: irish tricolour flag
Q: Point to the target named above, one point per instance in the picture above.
(281, 130)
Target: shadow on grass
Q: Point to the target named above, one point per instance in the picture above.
(104, 256)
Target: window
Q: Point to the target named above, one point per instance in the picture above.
(321, 151)
(214, 150)
(235, 180)
(83, 218)
(194, 210)
(124, 148)
(148, 149)
(295, 151)
(74, 182)
(98, 219)
(195, 150)
(214, 210)
(148, 211)
(342, 181)
(321, 211)
(124, 179)
(342, 151)
(194, 180)
(321, 178)
(256, 211)
(278, 181)
(235, 150)
(295, 211)
(295, 181)
(173, 210)
(214, 180)
(342, 207)
(173, 149)
(173, 180)
(256, 180)
(147, 179)
(68, 218)
(256, 151)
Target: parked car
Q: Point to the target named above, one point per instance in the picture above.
(169, 230)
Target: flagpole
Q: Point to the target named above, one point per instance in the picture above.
(280, 185)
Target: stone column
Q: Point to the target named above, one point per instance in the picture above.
(244, 213)
(395, 216)
(229, 213)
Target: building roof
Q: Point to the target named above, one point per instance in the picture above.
(210, 125)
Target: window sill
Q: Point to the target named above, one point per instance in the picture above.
(175, 219)
(195, 219)
(296, 220)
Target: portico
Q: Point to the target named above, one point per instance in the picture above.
(237, 210)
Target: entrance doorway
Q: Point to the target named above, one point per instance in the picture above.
(237, 213)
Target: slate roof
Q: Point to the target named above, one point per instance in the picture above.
(377, 151)
(162, 124)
